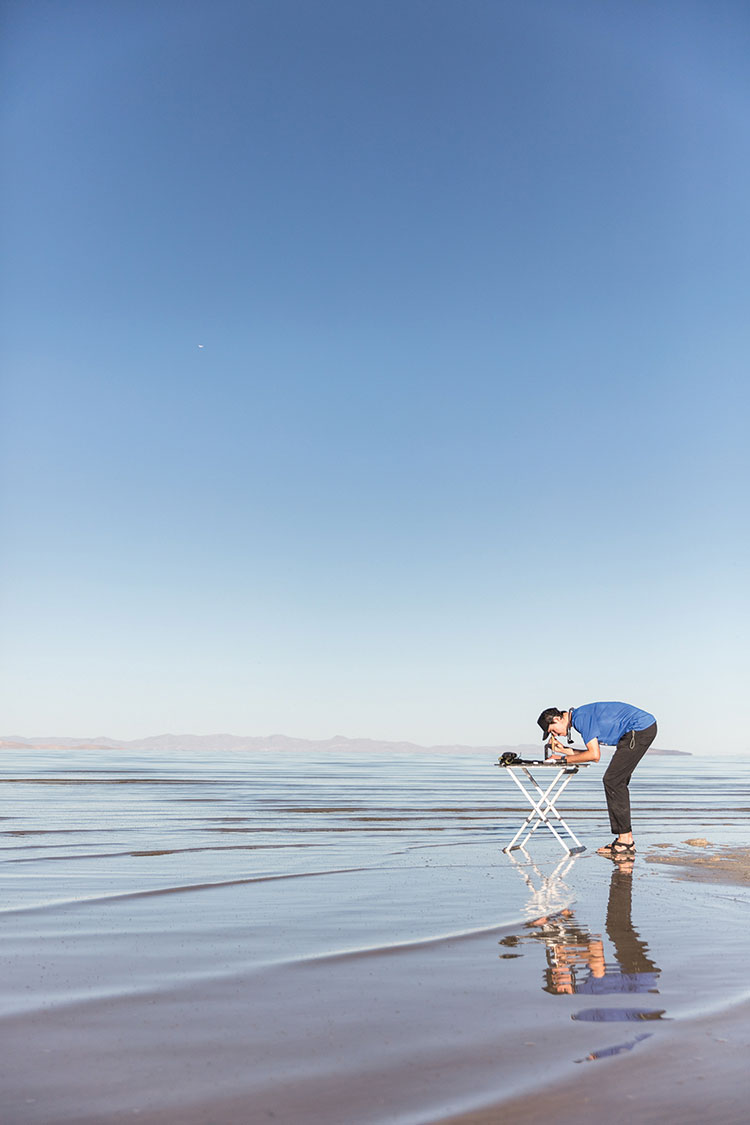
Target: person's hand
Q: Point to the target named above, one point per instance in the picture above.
(557, 749)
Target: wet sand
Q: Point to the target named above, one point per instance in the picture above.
(338, 942)
(705, 861)
(698, 1073)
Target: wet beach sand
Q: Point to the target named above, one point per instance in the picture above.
(700, 859)
(330, 941)
(697, 1072)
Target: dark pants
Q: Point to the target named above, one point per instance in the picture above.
(630, 749)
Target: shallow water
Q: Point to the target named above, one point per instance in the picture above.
(304, 938)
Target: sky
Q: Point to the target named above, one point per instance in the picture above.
(376, 368)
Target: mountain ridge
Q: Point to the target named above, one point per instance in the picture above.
(279, 742)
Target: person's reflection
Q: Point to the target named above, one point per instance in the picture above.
(576, 961)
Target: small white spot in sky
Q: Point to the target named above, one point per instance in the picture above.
(201, 345)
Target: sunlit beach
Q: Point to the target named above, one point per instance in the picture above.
(323, 939)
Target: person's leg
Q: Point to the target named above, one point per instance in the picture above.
(628, 753)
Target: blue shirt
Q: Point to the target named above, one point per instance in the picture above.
(608, 721)
(612, 982)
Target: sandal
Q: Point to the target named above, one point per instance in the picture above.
(617, 850)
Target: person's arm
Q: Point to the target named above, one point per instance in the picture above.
(592, 753)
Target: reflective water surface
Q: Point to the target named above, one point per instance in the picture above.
(319, 939)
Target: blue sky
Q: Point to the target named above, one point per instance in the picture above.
(467, 433)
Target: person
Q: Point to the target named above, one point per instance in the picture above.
(630, 730)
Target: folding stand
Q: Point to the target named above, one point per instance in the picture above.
(543, 809)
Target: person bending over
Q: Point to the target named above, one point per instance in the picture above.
(621, 725)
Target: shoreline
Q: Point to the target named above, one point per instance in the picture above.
(357, 948)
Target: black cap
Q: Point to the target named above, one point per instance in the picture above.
(548, 715)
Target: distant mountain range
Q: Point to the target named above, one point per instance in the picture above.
(278, 742)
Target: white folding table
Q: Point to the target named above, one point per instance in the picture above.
(543, 800)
